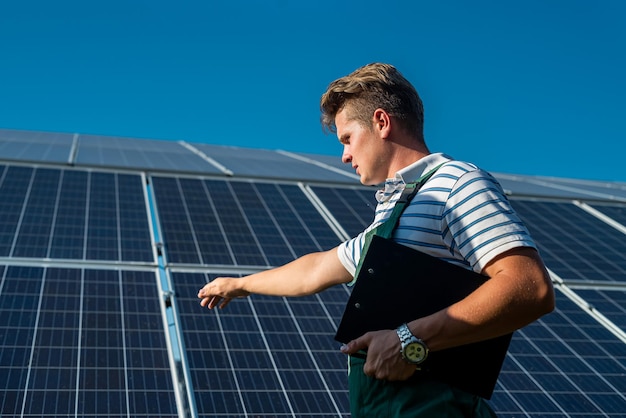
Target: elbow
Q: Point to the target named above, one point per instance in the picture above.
(548, 302)
(545, 297)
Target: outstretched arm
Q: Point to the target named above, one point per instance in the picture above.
(306, 275)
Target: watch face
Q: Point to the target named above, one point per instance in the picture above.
(415, 352)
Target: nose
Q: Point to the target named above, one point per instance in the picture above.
(346, 157)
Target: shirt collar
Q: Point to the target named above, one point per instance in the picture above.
(410, 173)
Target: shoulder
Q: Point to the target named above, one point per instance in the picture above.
(465, 178)
(460, 177)
(462, 170)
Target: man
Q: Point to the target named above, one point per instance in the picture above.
(460, 215)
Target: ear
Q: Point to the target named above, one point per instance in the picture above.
(381, 122)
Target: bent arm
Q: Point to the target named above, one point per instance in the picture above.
(306, 275)
(518, 291)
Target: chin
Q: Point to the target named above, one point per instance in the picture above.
(368, 182)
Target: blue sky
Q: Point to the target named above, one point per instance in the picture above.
(533, 87)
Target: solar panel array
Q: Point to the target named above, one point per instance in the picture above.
(103, 250)
(83, 342)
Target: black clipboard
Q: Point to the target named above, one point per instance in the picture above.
(397, 284)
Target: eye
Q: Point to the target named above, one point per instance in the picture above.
(345, 139)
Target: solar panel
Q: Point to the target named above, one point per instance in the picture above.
(83, 342)
(573, 243)
(96, 150)
(35, 146)
(269, 164)
(220, 227)
(73, 214)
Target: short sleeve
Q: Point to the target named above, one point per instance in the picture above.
(480, 220)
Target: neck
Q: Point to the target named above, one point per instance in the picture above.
(406, 152)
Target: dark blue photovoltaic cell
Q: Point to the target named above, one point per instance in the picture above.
(609, 302)
(353, 208)
(13, 188)
(265, 228)
(241, 240)
(102, 238)
(311, 218)
(295, 227)
(36, 223)
(134, 229)
(574, 244)
(206, 225)
(82, 343)
(617, 213)
(177, 233)
(69, 228)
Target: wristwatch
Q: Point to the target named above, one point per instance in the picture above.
(413, 349)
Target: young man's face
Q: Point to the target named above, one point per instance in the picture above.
(362, 148)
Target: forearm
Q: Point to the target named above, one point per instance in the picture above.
(304, 276)
(307, 275)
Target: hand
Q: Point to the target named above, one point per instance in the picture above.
(384, 361)
(221, 291)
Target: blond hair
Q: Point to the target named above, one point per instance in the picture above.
(371, 87)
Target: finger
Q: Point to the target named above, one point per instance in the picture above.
(355, 345)
(209, 302)
(225, 302)
(203, 292)
(214, 301)
(369, 371)
(205, 302)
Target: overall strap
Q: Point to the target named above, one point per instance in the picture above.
(385, 229)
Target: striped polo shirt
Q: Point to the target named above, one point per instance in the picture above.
(460, 215)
